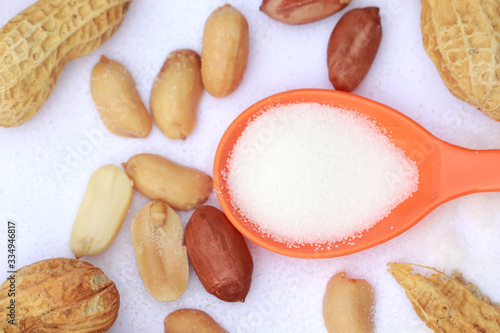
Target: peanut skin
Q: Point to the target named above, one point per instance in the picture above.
(352, 47)
(219, 254)
(348, 305)
(461, 38)
(30, 68)
(300, 11)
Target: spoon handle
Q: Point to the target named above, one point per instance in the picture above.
(465, 171)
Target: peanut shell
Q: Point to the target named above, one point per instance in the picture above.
(57, 295)
(445, 304)
(463, 40)
(30, 68)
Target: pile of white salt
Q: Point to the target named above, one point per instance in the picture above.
(310, 173)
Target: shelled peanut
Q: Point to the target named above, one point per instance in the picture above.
(348, 305)
(300, 11)
(352, 47)
(30, 69)
(224, 53)
(117, 100)
(102, 211)
(176, 94)
(158, 178)
(160, 253)
(191, 321)
(219, 254)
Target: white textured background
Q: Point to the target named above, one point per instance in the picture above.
(46, 163)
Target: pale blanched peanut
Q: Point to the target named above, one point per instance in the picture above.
(224, 52)
(102, 211)
(181, 187)
(348, 305)
(160, 253)
(117, 100)
(191, 321)
(176, 94)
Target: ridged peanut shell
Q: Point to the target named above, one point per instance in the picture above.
(219, 254)
(60, 294)
(37, 43)
(463, 40)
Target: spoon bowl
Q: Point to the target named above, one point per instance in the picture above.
(446, 172)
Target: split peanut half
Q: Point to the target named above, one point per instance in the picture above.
(102, 211)
(160, 253)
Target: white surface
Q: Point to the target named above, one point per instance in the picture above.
(47, 162)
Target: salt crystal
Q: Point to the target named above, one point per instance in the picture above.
(311, 173)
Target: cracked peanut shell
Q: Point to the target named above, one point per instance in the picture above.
(446, 304)
(60, 294)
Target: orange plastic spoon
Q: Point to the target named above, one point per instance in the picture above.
(446, 172)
